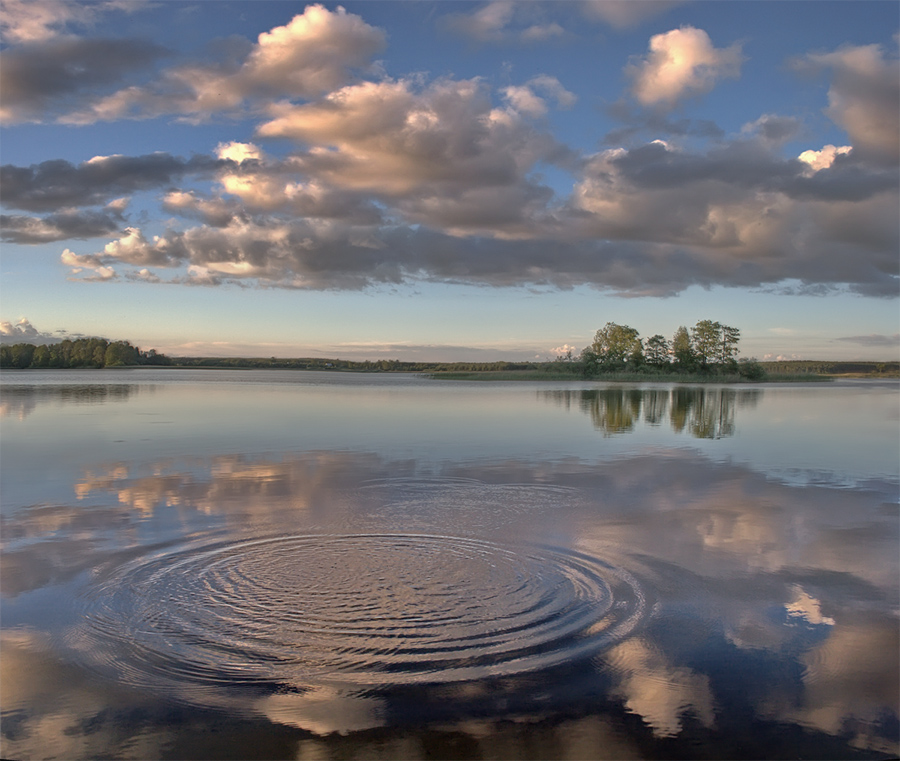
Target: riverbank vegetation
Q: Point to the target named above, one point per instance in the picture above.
(617, 354)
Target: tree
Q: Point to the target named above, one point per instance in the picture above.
(728, 350)
(705, 340)
(614, 344)
(656, 350)
(682, 349)
(120, 353)
(636, 357)
(41, 357)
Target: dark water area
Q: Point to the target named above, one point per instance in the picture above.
(293, 565)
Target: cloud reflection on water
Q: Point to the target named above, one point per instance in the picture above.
(797, 583)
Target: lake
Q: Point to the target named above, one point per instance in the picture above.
(309, 565)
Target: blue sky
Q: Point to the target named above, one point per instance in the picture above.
(450, 180)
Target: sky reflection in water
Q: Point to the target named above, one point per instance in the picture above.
(221, 564)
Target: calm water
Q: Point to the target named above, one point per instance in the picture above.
(240, 564)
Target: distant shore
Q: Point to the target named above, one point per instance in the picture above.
(798, 372)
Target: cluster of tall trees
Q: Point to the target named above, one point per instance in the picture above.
(708, 347)
(79, 352)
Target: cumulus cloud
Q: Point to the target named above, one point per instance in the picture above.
(49, 78)
(216, 212)
(50, 185)
(260, 185)
(96, 269)
(314, 53)
(421, 201)
(429, 150)
(681, 63)
(79, 225)
(742, 216)
(523, 98)
(24, 332)
(824, 158)
(864, 97)
(408, 179)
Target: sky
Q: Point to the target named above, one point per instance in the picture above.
(444, 181)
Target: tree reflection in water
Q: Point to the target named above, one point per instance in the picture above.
(21, 401)
(705, 413)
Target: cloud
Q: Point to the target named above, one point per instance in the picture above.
(864, 97)
(78, 225)
(623, 14)
(681, 63)
(874, 339)
(638, 120)
(216, 212)
(741, 216)
(49, 78)
(314, 53)
(24, 332)
(260, 184)
(504, 21)
(28, 21)
(824, 158)
(524, 99)
(442, 153)
(774, 128)
(97, 270)
(56, 184)
(459, 206)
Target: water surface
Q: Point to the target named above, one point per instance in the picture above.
(282, 564)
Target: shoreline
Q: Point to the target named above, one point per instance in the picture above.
(488, 376)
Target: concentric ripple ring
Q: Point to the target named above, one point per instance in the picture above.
(365, 609)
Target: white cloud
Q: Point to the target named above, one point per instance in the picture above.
(824, 158)
(91, 262)
(524, 99)
(21, 332)
(682, 62)
(133, 248)
(239, 152)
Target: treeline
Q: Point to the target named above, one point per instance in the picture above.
(821, 367)
(367, 366)
(78, 352)
(708, 348)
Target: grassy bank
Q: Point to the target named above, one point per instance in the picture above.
(625, 377)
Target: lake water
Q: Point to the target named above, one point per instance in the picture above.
(281, 564)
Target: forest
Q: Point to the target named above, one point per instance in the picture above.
(78, 352)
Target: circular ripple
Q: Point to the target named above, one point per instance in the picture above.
(356, 609)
